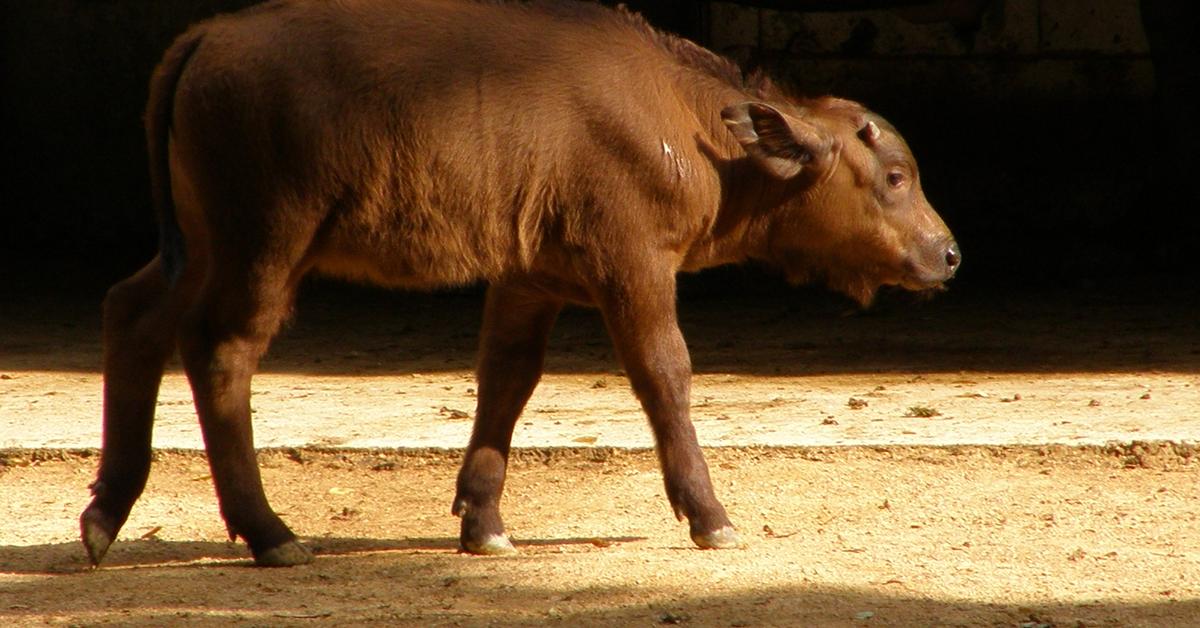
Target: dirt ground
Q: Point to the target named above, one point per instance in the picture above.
(980, 460)
(846, 536)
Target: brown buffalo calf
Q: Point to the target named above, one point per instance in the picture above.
(560, 151)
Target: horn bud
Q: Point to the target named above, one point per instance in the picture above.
(869, 133)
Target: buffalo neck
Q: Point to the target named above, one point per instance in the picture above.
(738, 230)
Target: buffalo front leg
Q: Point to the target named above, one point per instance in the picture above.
(141, 314)
(640, 315)
(221, 342)
(516, 325)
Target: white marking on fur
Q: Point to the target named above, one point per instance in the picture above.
(680, 166)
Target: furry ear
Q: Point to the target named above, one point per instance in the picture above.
(780, 144)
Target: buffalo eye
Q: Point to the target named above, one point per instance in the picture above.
(895, 179)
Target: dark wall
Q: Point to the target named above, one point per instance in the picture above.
(74, 77)
(1048, 160)
(1053, 136)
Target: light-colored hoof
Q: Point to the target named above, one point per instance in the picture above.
(725, 538)
(289, 554)
(494, 545)
(95, 538)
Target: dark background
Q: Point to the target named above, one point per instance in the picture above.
(1058, 143)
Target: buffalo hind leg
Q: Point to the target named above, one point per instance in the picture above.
(641, 318)
(141, 315)
(512, 348)
(221, 341)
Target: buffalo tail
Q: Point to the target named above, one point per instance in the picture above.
(159, 113)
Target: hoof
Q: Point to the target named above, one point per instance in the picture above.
(289, 554)
(96, 536)
(494, 545)
(723, 538)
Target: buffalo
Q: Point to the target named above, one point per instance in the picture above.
(562, 152)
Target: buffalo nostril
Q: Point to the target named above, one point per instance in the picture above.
(953, 257)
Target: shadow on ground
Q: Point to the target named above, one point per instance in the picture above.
(425, 582)
(347, 330)
(66, 558)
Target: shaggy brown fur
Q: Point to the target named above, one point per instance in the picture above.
(560, 151)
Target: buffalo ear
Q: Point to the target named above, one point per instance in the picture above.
(780, 144)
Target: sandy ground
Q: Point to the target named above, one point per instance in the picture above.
(846, 536)
(974, 460)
